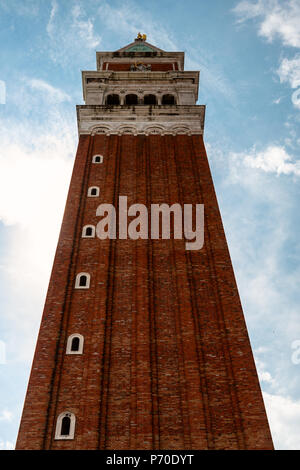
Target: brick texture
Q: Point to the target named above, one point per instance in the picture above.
(167, 362)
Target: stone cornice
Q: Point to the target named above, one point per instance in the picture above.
(93, 119)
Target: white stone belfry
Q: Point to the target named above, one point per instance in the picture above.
(140, 89)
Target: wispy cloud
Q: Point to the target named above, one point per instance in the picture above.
(71, 34)
(84, 28)
(277, 19)
(54, 9)
(129, 18)
(55, 94)
(28, 8)
(214, 77)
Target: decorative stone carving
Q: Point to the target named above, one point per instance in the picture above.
(155, 130)
(127, 130)
(140, 67)
(101, 130)
(180, 130)
(144, 129)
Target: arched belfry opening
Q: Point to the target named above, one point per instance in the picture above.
(131, 99)
(113, 100)
(150, 99)
(168, 99)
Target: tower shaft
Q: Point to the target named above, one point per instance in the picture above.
(162, 357)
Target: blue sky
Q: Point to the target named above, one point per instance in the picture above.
(248, 53)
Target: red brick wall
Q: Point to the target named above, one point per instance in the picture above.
(167, 362)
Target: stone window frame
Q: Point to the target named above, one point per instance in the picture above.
(88, 281)
(90, 190)
(70, 341)
(58, 429)
(96, 156)
(84, 235)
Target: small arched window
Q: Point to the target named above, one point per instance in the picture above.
(65, 426)
(168, 99)
(93, 191)
(150, 99)
(88, 231)
(113, 100)
(82, 281)
(75, 344)
(131, 100)
(98, 159)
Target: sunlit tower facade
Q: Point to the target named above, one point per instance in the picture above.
(143, 343)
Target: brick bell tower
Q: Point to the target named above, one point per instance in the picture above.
(142, 344)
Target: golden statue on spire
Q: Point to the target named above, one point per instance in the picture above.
(142, 37)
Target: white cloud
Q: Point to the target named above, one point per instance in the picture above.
(258, 230)
(30, 181)
(56, 95)
(36, 163)
(6, 445)
(277, 19)
(284, 419)
(247, 10)
(289, 71)
(263, 374)
(274, 159)
(6, 415)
